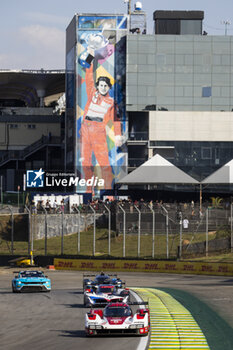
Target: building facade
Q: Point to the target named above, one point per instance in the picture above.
(179, 100)
(173, 90)
(96, 124)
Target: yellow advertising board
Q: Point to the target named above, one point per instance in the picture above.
(201, 268)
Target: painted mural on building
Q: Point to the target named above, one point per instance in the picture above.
(101, 120)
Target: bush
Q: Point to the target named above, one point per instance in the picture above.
(223, 231)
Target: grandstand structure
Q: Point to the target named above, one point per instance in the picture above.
(31, 125)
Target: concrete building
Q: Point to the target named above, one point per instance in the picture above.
(179, 97)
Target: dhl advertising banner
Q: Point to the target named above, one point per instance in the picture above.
(145, 266)
(100, 101)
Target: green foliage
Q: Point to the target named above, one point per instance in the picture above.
(216, 202)
(223, 232)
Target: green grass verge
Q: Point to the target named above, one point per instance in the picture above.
(70, 244)
(217, 331)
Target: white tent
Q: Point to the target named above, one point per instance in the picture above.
(158, 170)
(224, 175)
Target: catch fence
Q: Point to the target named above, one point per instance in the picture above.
(122, 230)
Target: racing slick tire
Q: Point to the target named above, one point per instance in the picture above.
(85, 303)
(14, 290)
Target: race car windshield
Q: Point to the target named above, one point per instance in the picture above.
(32, 274)
(117, 312)
(106, 289)
(102, 279)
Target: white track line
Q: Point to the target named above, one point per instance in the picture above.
(143, 340)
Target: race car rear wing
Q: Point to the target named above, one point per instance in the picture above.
(94, 275)
(25, 270)
(128, 303)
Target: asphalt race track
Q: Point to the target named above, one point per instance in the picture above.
(55, 320)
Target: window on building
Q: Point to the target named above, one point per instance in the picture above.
(206, 91)
(14, 126)
(31, 126)
(206, 153)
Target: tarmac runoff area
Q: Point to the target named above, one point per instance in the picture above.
(184, 308)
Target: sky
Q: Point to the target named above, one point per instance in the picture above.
(33, 32)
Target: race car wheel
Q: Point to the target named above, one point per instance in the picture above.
(85, 303)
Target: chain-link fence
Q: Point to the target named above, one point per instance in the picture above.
(118, 229)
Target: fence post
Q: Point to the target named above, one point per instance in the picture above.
(109, 229)
(139, 229)
(46, 231)
(62, 233)
(79, 221)
(29, 229)
(12, 229)
(231, 231)
(123, 230)
(207, 232)
(181, 238)
(1, 177)
(94, 231)
(166, 230)
(153, 233)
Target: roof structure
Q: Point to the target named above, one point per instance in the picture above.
(223, 175)
(27, 85)
(158, 170)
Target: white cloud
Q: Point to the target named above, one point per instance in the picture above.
(44, 38)
(46, 18)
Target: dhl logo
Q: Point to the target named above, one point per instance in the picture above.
(206, 268)
(130, 266)
(65, 264)
(108, 266)
(88, 265)
(151, 267)
(189, 268)
(170, 267)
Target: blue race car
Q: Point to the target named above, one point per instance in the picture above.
(101, 278)
(34, 281)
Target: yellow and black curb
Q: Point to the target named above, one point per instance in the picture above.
(172, 325)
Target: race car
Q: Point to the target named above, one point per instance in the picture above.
(34, 281)
(101, 278)
(22, 262)
(104, 294)
(118, 318)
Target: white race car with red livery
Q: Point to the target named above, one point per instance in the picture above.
(104, 294)
(118, 318)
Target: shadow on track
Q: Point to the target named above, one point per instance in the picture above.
(73, 334)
